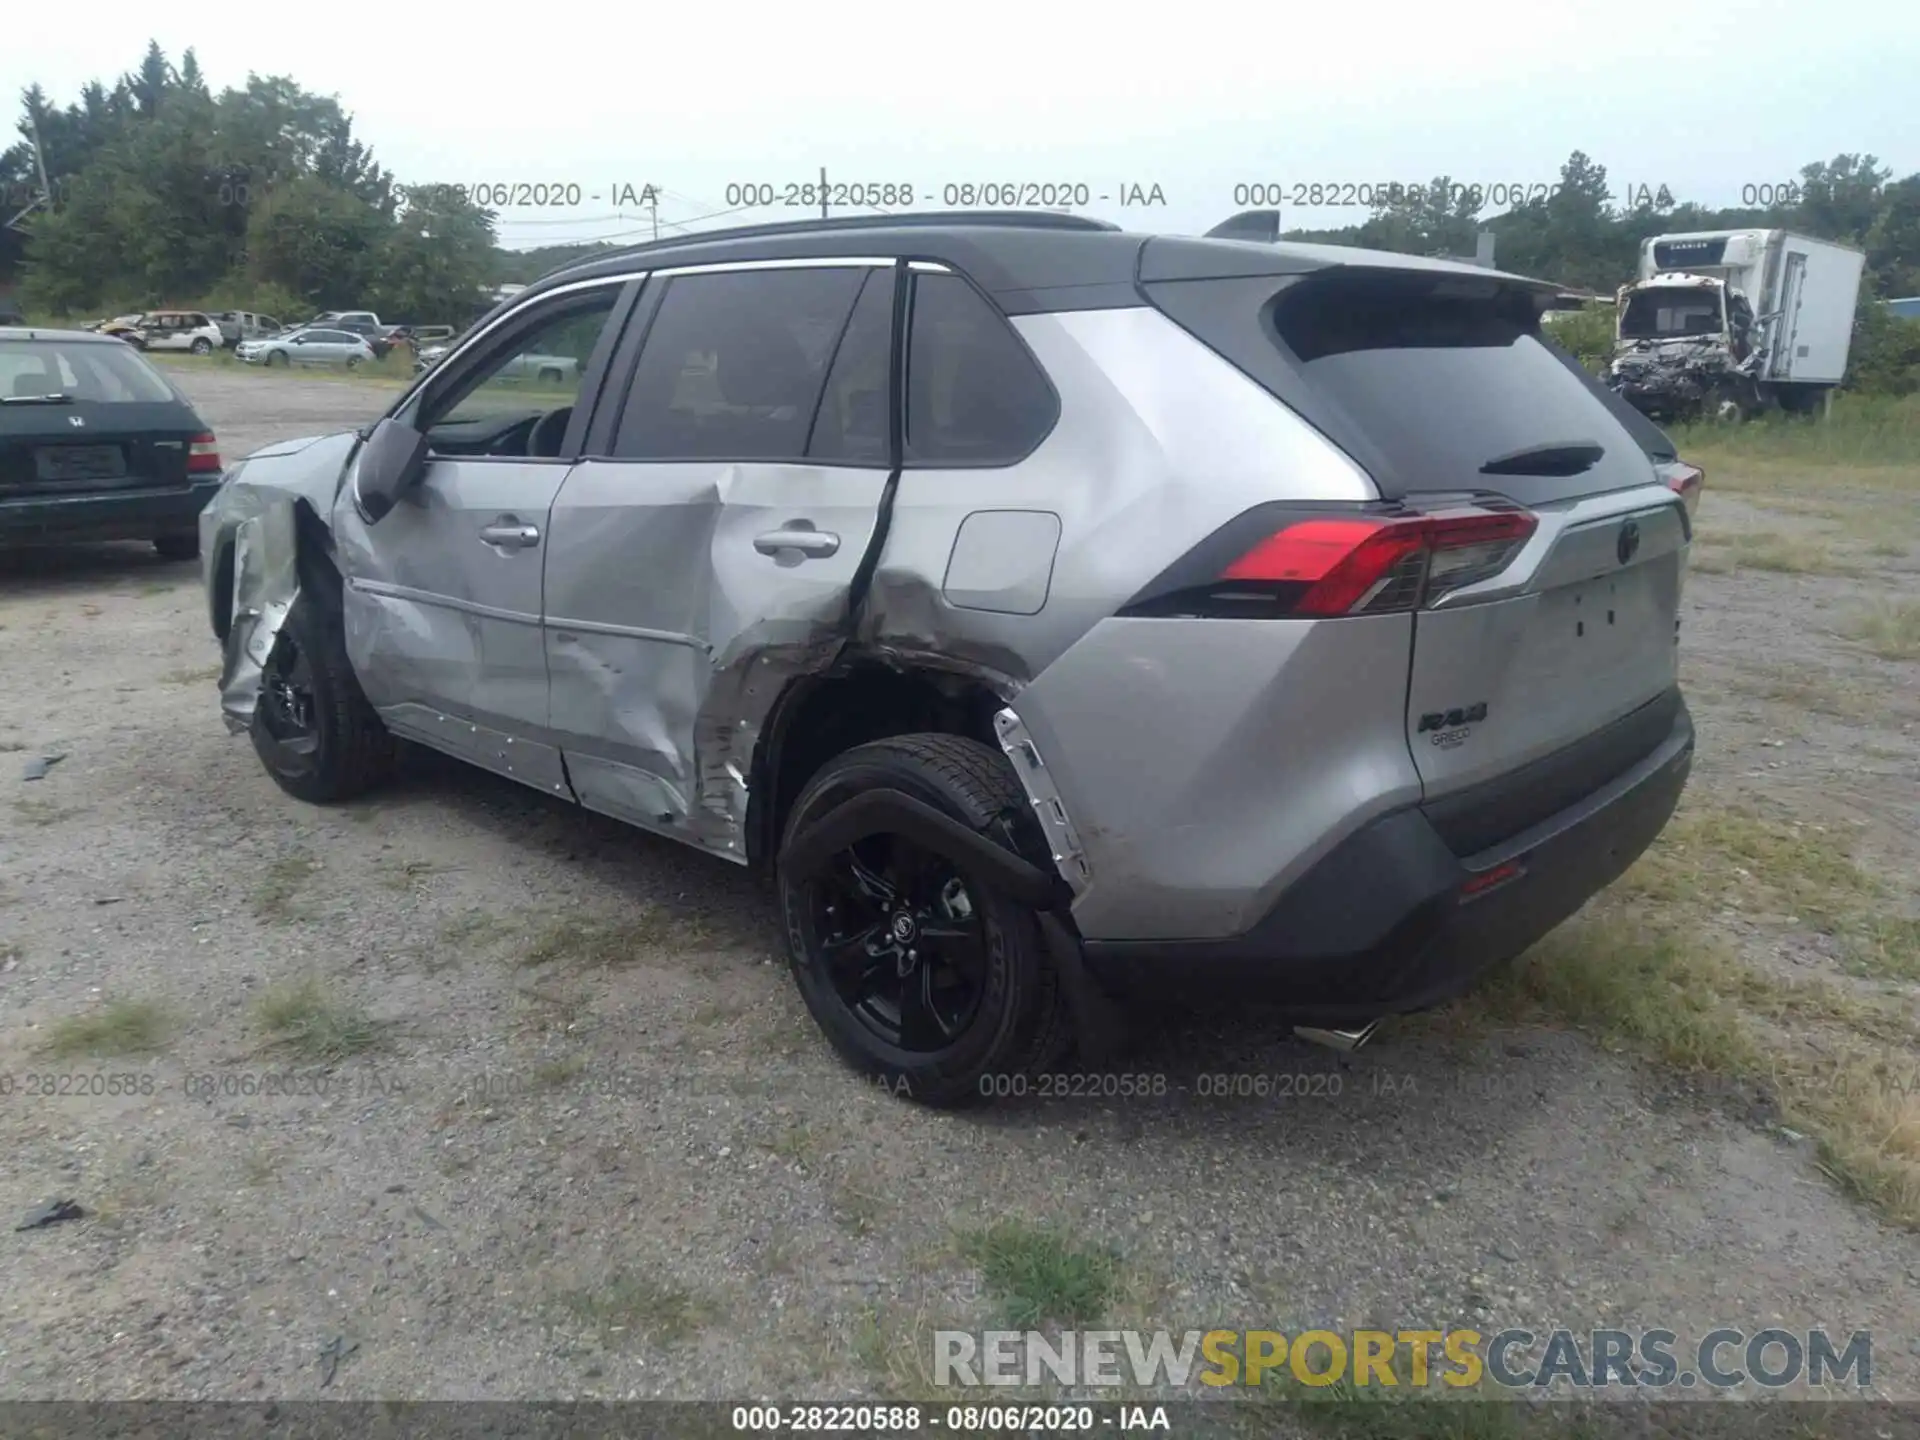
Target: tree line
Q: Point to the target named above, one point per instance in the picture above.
(260, 197)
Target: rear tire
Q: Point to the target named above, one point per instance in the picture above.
(177, 547)
(979, 1005)
(313, 728)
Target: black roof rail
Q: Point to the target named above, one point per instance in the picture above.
(1005, 219)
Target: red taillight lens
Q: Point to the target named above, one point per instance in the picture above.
(1686, 481)
(1370, 565)
(203, 455)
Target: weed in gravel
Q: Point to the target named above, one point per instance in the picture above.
(43, 812)
(1891, 631)
(1810, 693)
(303, 1018)
(410, 875)
(279, 886)
(558, 1074)
(607, 944)
(855, 1210)
(637, 1305)
(192, 675)
(1038, 1274)
(121, 1027)
(795, 1144)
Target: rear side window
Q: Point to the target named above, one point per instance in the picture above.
(734, 365)
(1443, 379)
(975, 395)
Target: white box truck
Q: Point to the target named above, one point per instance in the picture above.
(1731, 322)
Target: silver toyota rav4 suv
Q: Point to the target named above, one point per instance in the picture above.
(1061, 615)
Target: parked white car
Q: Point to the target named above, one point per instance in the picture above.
(188, 330)
(311, 346)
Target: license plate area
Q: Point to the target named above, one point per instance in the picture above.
(79, 464)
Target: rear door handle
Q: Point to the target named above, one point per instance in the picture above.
(510, 534)
(814, 544)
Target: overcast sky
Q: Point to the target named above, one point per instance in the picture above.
(1196, 98)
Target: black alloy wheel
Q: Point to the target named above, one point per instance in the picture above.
(903, 947)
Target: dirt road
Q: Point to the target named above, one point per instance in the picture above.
(548, 1119)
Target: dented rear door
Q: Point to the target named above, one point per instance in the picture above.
(715, 524)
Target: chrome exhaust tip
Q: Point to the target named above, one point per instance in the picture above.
(1345, 1041)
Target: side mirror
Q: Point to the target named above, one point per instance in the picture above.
(391, 463)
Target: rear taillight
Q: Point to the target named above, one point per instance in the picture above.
(203, 455)
(1686, 481)
(1372, 564)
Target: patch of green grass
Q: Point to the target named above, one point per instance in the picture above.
(1725, 855)
(1763, 550)
(120, 1027)
(279, 886)
(1891, 630)
(639, 1306)
(1877, 436)
(1650, 982)
(301, 1017)
(1345, 1411)
(602, 943)
(1884, 947)
(1036, 1274)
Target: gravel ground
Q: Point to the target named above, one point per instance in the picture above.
(635, 1169)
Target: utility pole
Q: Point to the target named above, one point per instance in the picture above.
(45, 197)
(823, 192)
(654, 206)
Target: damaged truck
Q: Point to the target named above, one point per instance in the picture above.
(1726, 324)
(1059, 616)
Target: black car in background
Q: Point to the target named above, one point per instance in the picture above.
(96, 444)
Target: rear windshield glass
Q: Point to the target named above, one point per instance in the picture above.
(1443, 383)
(86, 370)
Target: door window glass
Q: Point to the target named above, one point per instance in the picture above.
(538, 370)
(734, 365)
(850, 427)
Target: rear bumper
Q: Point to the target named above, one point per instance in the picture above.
(108, 515)
(1380, 925)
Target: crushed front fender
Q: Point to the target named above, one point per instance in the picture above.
(255, 518)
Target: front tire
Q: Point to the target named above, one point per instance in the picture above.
(202, 346)
(276, 357)
(920, 973)
(313, 728)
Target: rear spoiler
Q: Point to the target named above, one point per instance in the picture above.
(1262, 226)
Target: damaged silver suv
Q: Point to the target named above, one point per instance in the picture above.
(1060, 614)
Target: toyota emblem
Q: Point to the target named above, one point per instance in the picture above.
(1629, 541)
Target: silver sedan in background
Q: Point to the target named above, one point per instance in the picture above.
(310, 346)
